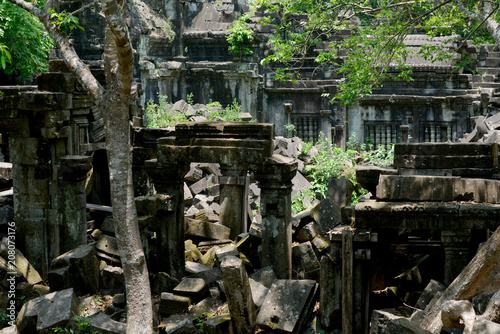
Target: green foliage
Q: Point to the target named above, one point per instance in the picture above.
(64, 21)
(230, 114)
(290, 129)
(375, 50)
(24, 45)
(334, 162)
(160, 115)
(4, 320)
(189, 98)
(298, 200)
(240, 37)
(306, 147)
(82, 324)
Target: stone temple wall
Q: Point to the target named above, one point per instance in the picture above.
(182, 49)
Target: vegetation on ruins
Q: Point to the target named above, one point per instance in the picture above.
(24, 45)
(240, 37)
(334, 162)
(375, 45)
(162, 116)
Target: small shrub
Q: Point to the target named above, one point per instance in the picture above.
(240, 37)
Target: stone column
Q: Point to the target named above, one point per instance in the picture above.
(325, 124)
(31, 172)
(71, 176)
(233, 208)
(168, 181)
(456, 252)
(404, 132)
(339, 136)
(275, 181)
(239, 295)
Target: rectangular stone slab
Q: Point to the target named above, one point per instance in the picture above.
(287, 305)
(449, 149)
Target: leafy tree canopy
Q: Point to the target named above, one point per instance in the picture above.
(376, 40)
(24, 45)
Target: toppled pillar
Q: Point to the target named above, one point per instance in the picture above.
(238, 293)
(233, 196)
(167, 179)
(275, 181)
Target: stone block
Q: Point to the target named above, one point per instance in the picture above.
(219, 325)
(57, 82)
(9, 330)
(188, 196)
(259, 292)
(107, 249)
(178, 324)
(101, 323)
(24, 150)
(368, 176)
(194, 268)
(433, 288)
(340, 191)
(108, 225)
(23, 266)
(198, 228)
(238, 294)
(327, 214)
(195, 174)
(265, 276)
(309, 232)
(200, 186)
(210, 276)
(43, 314)
(287, 305)
(172, 304)
(492, 191)
(304, 257)
(194, 288)
(204, 307)
(163, 282)
(389, 322)
(113, 279)
(227, 250)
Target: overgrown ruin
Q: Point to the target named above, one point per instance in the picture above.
(214, 199)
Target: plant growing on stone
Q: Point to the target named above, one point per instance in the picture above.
(160, 115)
(82, 325)
(240, 37)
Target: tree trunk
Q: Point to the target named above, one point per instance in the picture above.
(115, 101)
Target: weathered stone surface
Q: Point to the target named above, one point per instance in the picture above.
(194, 267)
(43, 314)
(198, 228)
(327, 214)
(178, 324)
(492, 312)
(485, 327)
(172, 304)
(23, 267)
(218, 325)
(83, 268)
(433, 288)
(101, 323)
(210, 276)
(390, 322)
(107, 249)
(368, 176)
(265, 276)
(259, 292)
(113, 279)
(304, 257)
(340, 191)
(287, 305)
(194, 252)
(9, 330)
(188, 196)
(238, 293)
(194, 288)
(164, 283)
(330, 293)
(206, 306)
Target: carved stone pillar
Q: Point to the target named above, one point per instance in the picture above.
(168, 181)
(275, 181)
(72, 175)
(233, 208)
(456, 250)
(325, 124)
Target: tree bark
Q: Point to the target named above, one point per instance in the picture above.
(115, 101)
(118, 56)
